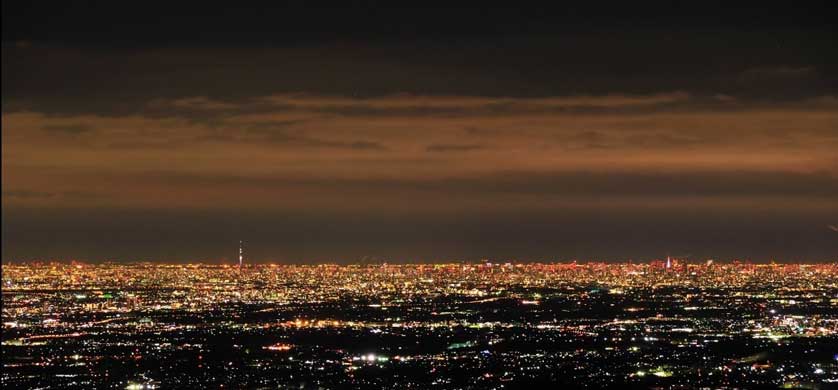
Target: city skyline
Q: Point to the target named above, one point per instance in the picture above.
(637, 326)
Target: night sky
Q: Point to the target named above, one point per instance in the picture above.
(168, 132)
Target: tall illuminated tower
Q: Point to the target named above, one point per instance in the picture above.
(241, 253)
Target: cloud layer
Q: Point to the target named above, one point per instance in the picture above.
(284, 152)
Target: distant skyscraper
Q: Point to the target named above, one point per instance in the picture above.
(241, 253)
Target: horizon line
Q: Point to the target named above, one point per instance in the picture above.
(440, 262)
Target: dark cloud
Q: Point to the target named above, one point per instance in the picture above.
(666, 140)
(587, 140)
(778, 72)
(197, 78)
(453, 147)
(277, 135)
(603, 184)
(364, 145)
(537, 190)
(41, 195)
(71, 129)
(28, 194)
(599, 184)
